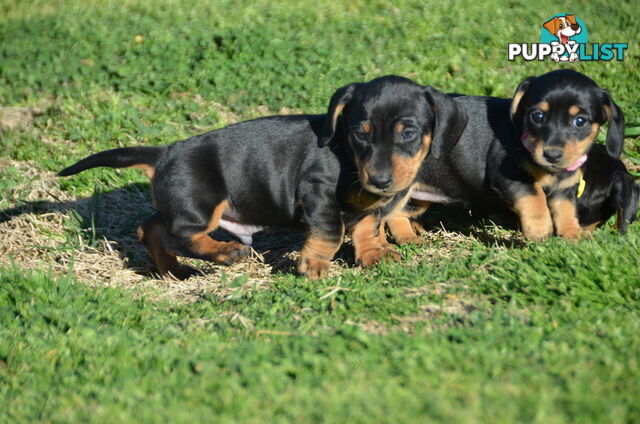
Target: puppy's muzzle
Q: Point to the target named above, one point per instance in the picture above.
(381, 181)
(552, 155)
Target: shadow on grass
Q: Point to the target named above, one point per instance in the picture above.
(115, 215)
(493, 227)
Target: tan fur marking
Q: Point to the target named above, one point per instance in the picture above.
(551, 181)
(216, 215)
(148, 170)
(366, 127)
(382, 236)
(565, 218)
(535, 218)
(368, 247)
(420, 207)
(574, 110)
(365, 201)
(398, 128)
(571, 180)
(399, 223)
(218, 251)
(542, 177)
(515, 102)
(402, 230)
(337, 113)
(152, 237)
(316, 255)
(544, 106)
(591, 227)
(404, 169)
(538, 147)
(607, 111)
(574, 149)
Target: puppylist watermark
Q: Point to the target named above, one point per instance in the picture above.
(563, 38)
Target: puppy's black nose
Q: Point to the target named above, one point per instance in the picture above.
(381, 181)
(552, 155)
(575, 27)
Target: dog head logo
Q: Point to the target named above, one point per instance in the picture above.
(564, 32)
(563, 27)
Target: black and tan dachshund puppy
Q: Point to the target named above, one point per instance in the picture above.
(324, 172)
(526, 153)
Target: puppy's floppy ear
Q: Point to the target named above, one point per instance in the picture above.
(517, 104)
(626, 202)
(450, 121)
(615, 133)
(552, 25)
(338, 101)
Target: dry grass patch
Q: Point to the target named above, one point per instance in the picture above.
(37, 221)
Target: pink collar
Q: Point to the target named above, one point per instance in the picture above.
(526, 142)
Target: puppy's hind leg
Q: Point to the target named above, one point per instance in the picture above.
(189, 235)
(152, 232)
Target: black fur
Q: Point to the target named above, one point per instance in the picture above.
(117, 158)
(609, 189)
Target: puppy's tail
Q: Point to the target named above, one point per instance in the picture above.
(144, 158)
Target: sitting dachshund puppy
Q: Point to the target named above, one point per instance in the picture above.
(606, 189)
(525, 153)
(322, 171)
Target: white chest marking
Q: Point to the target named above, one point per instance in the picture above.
(430, 196)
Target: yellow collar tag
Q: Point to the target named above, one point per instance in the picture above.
(581, 186)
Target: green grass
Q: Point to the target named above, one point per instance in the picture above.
(536, 346)
(547, 332)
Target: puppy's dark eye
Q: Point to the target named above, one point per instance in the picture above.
(360, 135)
(537, 116)
(408, 134)
(580, 121)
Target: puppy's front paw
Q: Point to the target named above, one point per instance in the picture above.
(313, 268)
(377, 255)
(405, 230)
(417, 227)
(537, 232)
(573, 233)
(411, 240)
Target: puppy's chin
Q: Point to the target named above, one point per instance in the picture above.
(379, 192)
(549, 167)
(554, 168)
(387, 192)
